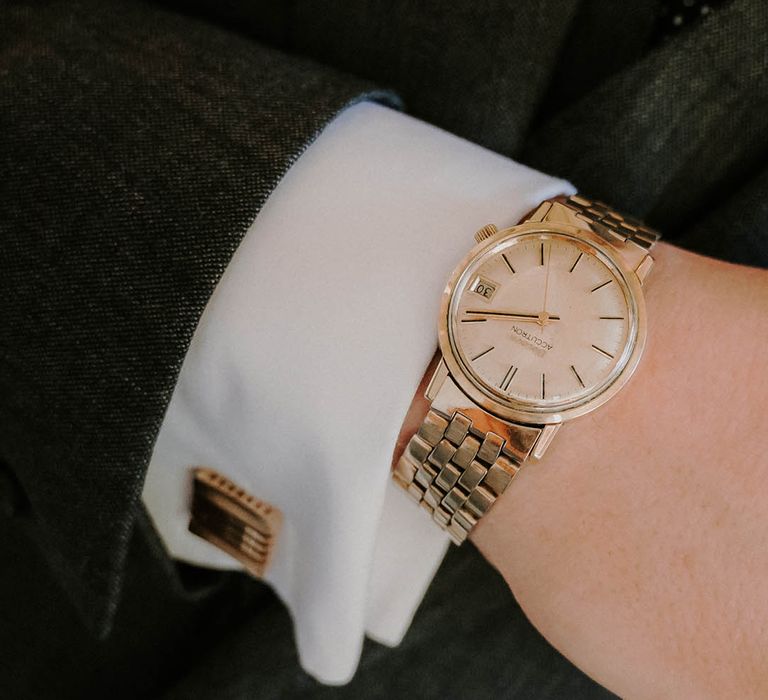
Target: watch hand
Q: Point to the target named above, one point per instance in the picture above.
(544, 317)
(531, 318)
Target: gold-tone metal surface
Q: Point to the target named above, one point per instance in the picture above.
(643, 268)
(548, 433)
(629, 237)
(470, 446)
(517, 411)
(236, 522)
(441, 372)
(455, 470)
(540, 212)
(486, 232)
(449, 400)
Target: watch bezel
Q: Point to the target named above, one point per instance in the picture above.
(515, 410)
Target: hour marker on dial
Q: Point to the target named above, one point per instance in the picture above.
(573, 267)
(484, 352)
(508, 377)
(509, 264)
(543, 385)
(603, 352)
(573, 369)
(600, 286)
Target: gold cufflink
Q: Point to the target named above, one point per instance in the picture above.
(231, 519)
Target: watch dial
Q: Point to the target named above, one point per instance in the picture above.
(542, 319)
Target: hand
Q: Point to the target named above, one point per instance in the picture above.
(639, 545)
(544, 313)
(541, 318)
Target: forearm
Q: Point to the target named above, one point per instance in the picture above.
(637, 546)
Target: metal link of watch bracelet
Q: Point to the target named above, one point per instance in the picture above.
(460, 461)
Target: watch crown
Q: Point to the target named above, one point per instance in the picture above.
(486, 232)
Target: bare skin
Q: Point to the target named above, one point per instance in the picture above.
(639, 545)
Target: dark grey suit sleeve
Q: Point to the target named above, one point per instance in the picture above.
(137, 146)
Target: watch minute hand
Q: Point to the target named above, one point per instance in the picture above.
(533, 318)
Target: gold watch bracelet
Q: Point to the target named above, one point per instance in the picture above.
(455, 471)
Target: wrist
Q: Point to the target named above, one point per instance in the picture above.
(622, 544)
(626, 545)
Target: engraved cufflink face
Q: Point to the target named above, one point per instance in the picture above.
(233, 520)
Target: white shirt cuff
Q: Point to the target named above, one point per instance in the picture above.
(306, 359)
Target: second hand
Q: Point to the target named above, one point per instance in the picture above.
(544, 316)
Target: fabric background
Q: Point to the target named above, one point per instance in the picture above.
(142, 144)
(138, 143)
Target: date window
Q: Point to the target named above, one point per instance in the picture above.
(484, 287)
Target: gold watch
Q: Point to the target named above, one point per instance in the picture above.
(540, 323)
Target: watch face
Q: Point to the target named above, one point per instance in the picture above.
(542, 321)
